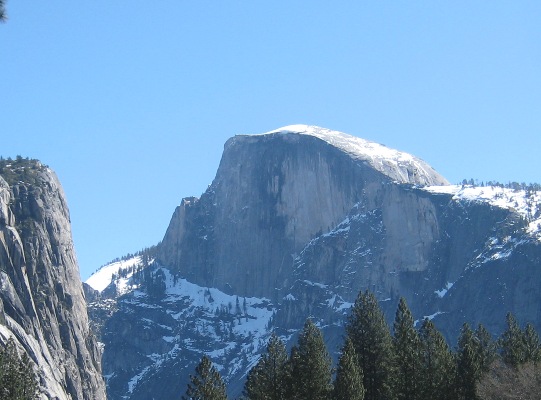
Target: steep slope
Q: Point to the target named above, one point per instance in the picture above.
(42, 305)
(296, 223)
(458, 254)
(272, 194)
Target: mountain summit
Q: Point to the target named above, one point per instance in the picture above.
(397, 165)
(296, 223)
(272, 194)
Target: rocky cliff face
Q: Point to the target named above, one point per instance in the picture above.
(455, 255)
(295, 224)
(272, 194)
(42, 305)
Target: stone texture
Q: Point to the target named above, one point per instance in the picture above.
(41, 293)
(307, 218)
(272, 194)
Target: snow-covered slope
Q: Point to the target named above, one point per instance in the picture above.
(164, 333)
(396, 164)
(103, 277)
(526, 203)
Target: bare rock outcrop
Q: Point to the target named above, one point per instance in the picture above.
(272, 194)
(42, 302)
(295, 224)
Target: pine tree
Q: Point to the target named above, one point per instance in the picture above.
(512, 342)
(468, 364)
(17, 378)
(293, 367)
(371, 338)
(348, 384)
(267, 380)
(407, 348)
(437, 364)
(311, 366)
(486, 348)
(532, 345)
(254, 387)
(3, 15)
(206, 384)
(28, 388)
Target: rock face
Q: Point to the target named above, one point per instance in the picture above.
(454, 255)
(272, 194)
(295, 224)
(41, 298)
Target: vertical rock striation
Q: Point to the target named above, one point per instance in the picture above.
(272, 194)
(295, 224)
(41, 297)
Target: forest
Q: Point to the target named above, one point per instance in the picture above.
(408, 363)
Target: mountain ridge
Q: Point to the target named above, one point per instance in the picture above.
(303, 226)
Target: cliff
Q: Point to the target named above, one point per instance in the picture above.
(272, 194)
(42, 305)
(295, 224)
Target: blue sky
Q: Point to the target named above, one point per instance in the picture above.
(131, 102)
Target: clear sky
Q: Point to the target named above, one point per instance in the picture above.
(130, 102)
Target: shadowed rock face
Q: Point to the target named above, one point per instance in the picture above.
(453, 260)
(41, 293)
(272, 194)
(307, 218)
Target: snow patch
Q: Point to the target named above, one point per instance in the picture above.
(102, 278)
(444, 291)
(432, 316)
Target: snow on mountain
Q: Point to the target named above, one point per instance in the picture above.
(103, 277)
(525, 203)
(187, 320)
(377, 155)
(295, 224)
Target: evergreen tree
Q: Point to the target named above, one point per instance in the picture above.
(437, 364)
(348, 384)
(486, 348)
(17, 378)
(371, 338)
(311, 366)
(254, 387)
(532, 345)
(3, 15)
(468, 364)
(293, 364)
(512, 342)
(407, 348)
(268, 379)
(206, 384)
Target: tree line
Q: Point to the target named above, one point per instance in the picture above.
(528, 187)
(375, 364)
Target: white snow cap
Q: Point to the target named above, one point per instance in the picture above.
(398, 165)
(100, 279)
